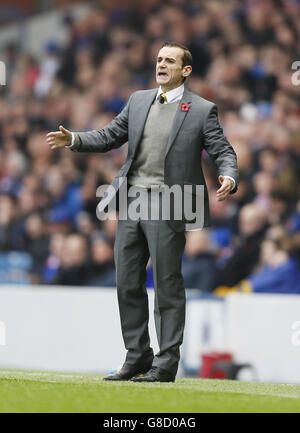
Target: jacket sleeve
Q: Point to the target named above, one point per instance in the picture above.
(110, 137)
(219, 148)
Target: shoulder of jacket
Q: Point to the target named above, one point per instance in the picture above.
(202, 102)
(141, 93)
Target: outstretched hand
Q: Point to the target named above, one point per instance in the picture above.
(59, 139)
(224, 190)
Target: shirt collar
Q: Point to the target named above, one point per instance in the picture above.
(172, 94)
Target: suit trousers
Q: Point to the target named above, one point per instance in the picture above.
(137, 239)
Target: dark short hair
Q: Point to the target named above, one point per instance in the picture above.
(187, 58)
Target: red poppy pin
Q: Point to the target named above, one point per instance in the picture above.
(185, 107)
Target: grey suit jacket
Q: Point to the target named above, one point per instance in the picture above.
(193, 130)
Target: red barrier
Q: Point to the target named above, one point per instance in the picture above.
(208, 363)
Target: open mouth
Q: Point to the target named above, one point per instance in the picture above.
(162, 74)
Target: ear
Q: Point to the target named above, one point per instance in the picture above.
(187, 70)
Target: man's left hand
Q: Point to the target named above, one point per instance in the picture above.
(224, 190)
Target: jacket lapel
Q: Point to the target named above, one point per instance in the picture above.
(142, 113)
(179, 118)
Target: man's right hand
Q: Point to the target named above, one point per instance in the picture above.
(59, 139)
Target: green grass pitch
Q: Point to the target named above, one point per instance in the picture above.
(33, 391)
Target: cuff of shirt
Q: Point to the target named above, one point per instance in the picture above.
(233, 182)
(75, 143)
(72, 142)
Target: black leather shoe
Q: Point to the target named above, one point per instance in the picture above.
(127, 372)
(155, 374)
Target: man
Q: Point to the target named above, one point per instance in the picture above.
(166, 130)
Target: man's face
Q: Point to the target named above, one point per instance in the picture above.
(169, 69)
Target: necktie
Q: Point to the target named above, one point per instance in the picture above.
(162, 98)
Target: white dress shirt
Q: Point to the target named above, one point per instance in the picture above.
(172, 95)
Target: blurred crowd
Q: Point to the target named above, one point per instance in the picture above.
(243, 53)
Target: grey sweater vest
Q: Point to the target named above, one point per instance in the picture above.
(148, 166)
